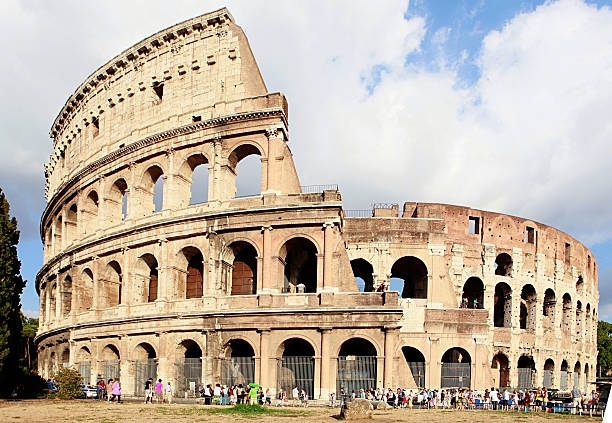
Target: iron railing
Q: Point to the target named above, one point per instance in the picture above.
(359, 213)
(526, 378)
(144, 370)
(355, 373)
(310, 189)
(111, 369)
(85, 371)
(237, 370)
(456, 375)
(296, 371)
(563, 380)
(188, 376)
(418, 372)
(547, 382)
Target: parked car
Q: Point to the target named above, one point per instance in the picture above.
(89, 391)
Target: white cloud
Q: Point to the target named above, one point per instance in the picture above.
(31, 313)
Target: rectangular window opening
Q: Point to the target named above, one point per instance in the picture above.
(568, 252)
(474, 225)
(529, 235)
(159, 90)
(197, 118)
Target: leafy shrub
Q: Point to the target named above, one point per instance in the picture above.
(30, 385)
(68, 383)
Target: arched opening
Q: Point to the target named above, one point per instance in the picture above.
(57, 245)
(84, 365)
(192, 185)
(296, 366)
(577, 374)
(245, 161)
(145, 366)
(586, 378)
(578, 319)
(152, 191)
(566, 322)
(356, 366)
(52, 303)
(112, 284)
(53, 367)
(363, 272)
(146, 279)
(549, 309)
(415, 361)
(563, 376)
(65, 357)
(188, 366)
(116, 202)
(194, 280)
(299, 257)
(501, 370)
(85, 291)
(528, 305)
(243, 269)
(66, 293)
(503, 265)
(473, 293)
(238, 365)
(580, 285)
(90, 213)
(549, 372)
(587, 323)
(71, 224)
(502, 306)
(43, 304)
(526, 372)
(409, 277)
(111, 362)
(456, 369)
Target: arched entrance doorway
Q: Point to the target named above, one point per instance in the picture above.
(526, 372)
(356, 366)
(501, 370)
(188, 367)
(363, 272)
(416, 366)
(473, 293)
(145, 366)
(300, 258)
(409, 277)
(549, 372)
(110, 357)
(244, 269)
(456, 369)
(238, 365)
(296, 366)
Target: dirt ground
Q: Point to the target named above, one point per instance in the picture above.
(55, 411)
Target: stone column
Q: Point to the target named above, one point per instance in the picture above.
(390, 337)
(266, 282)
(59, 304)
(126, 282)
(275, 158)
(433, 373)
(326, 368)
(96, 303)
(164, 364)
(48, 317)
(133, 203)
(165, 287)
(320, 266)
(64, 241)
(265, 369)
(328, 256)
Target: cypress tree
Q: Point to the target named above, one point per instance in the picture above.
(11, 286)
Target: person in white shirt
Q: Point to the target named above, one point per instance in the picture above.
(296, 395)
(168, 393)
(494, 395)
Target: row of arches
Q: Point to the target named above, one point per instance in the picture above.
(239, 275)
(190, 185)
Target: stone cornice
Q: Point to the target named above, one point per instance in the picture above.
(150, 140)
(130, 58)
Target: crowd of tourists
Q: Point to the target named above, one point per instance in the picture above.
(536, 400)
(250, 394)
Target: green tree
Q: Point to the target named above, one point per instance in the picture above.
(604, 347)
(30, 327)
(11, 286)
(68, 383)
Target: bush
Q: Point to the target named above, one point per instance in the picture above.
(30, 385)
(68, 383)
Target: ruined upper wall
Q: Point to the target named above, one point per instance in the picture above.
(196, 70)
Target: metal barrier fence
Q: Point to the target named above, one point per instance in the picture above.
(418, 372)
(143, 370)
(355, 373)
(526, 378)
(237, 370)
(296, 371)
(456, 375)
(310, 189)
(563, 381)
(359, 213)
(111, 369)
(547, 382)
(85, 371)
(188, 373)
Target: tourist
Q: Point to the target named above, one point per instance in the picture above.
(268, 397)
(253, 396)
(109, 389)
(116, 392)
(494, 396)
(159, 395)
(148, 391)
(168, 393)
(101, 389)
(576, 396)
(217, 394)
(295, 394)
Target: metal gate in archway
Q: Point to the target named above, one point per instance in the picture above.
(563, 382)
(418, 372)
(143, 370)
(355, 373)
(237, 370)
(188, 375)
(111, 369)
(85, 371)
(295, 371)
(526, 377)
(456, 375)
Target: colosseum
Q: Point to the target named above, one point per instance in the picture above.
(154, 266)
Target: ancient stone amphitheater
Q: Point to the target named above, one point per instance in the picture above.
(153, 266)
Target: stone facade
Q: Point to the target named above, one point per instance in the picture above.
(283, 287)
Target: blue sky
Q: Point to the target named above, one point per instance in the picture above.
(500, 105)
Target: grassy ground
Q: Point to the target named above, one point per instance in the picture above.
(95, 411)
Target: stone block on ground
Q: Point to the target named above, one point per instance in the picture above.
(358, 409)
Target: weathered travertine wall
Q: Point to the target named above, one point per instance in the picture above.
(139, 282)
